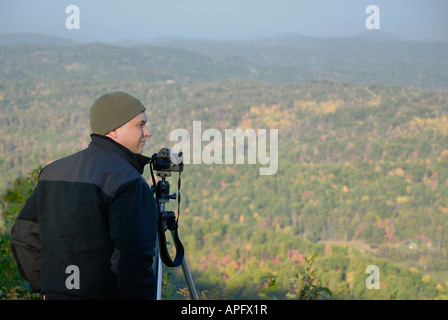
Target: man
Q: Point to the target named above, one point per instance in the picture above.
(89, 229)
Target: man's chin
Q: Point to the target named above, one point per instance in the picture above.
(139, 150)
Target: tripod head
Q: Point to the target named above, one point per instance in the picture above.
(162, 191)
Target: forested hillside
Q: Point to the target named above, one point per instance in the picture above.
(362, 167)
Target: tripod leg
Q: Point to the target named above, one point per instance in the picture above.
(159, 271)
(188, 277)
(189, 280)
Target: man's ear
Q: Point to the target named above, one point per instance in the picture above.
(112, 134)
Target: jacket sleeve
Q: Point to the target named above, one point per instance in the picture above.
(26, 245)
(133, 227)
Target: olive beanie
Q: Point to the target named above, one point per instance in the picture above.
(113, 110)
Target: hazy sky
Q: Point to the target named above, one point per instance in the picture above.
(113, 20)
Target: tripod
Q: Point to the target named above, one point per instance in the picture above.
(167, 220)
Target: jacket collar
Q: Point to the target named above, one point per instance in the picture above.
(138, 161)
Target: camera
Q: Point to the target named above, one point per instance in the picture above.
(167, 161)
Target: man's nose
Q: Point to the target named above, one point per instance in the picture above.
(146, 133)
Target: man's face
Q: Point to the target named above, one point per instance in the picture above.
(133, 134)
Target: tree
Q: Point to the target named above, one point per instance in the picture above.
(305, 286)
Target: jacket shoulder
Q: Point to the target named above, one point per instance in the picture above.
(103, 168)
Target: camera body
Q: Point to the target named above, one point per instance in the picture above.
(167, 161)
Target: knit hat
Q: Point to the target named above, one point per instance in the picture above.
(112, 110)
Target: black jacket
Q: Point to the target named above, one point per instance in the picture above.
(92, 210)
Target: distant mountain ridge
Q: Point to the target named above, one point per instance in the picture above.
(34, 38)
(284, 59)
(37, 38)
